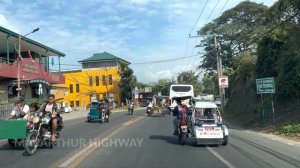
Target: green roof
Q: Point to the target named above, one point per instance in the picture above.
(32, 45)
(105, 56)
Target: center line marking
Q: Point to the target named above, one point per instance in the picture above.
(80, 156)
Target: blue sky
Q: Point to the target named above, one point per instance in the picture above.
(135, 30)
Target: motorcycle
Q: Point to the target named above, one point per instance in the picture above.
(40, 131)
(183, 131)
(105, 115)
(130, 109)
(149, 111)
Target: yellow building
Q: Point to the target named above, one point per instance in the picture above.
(98, 78)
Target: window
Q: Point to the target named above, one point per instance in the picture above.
(181, 88)
(110, 79)
(71, 88)
(107, 64)
(103, 80)
(72, 103)
(97, 80)
(102, 65)
(90, 80)
(114, 64)
(77, 103)
(77, 88)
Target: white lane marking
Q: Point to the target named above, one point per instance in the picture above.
(221, 158)
(91, 146)
(95, 145)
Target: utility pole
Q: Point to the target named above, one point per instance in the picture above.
(219, 71)
(19, 60)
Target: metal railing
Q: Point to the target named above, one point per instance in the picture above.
(5, 110)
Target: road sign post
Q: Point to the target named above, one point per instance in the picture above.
(223, 83)
(266, 86)
(262, 104)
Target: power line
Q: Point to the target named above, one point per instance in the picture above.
(166, 60)
(192, 51)
(191, 32)
(223, 7)
(199, 16)
(207, 21)
(186, 46)
(212, 11)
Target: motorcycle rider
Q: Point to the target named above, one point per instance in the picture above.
(51, 107)
(150, 106)
(178, 112)
(20, 110)
(107, 107)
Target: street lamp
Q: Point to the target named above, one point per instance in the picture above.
(33, 31)
(20, 59)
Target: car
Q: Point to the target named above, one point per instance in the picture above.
(65, 110)
(144, 103)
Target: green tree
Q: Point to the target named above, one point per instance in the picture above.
(278, 52)
(163, 86)
(190, 77)
(244, 65)
(209, 84)
(127, 83)
(234, 30)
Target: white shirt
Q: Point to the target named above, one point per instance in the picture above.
(15, 111)
(150, 105)
(49, 107)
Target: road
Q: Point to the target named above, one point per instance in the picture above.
(141, 141)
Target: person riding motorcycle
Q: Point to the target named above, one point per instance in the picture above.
(51, 107)
(20, 110)
(150, 106)
(178, 112)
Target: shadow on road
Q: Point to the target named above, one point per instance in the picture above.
(174, 140)
(8, 147)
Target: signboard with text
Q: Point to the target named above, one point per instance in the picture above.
(223, 82)
(265, 85)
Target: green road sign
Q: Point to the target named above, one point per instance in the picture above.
(265, 85)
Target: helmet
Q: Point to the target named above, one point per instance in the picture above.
(20, 99)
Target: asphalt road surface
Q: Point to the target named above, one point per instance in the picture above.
(140, 141)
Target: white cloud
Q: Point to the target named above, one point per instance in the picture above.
(8, 24)
(114, 26)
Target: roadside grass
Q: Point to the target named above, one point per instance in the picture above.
(289, 130)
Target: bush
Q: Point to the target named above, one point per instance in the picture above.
(289, 129)
(37, 102)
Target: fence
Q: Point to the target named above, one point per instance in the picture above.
(5, 110)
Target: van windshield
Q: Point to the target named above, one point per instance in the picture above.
(206, 113)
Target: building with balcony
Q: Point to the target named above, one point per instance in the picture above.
(35, 78)
(98, 79)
